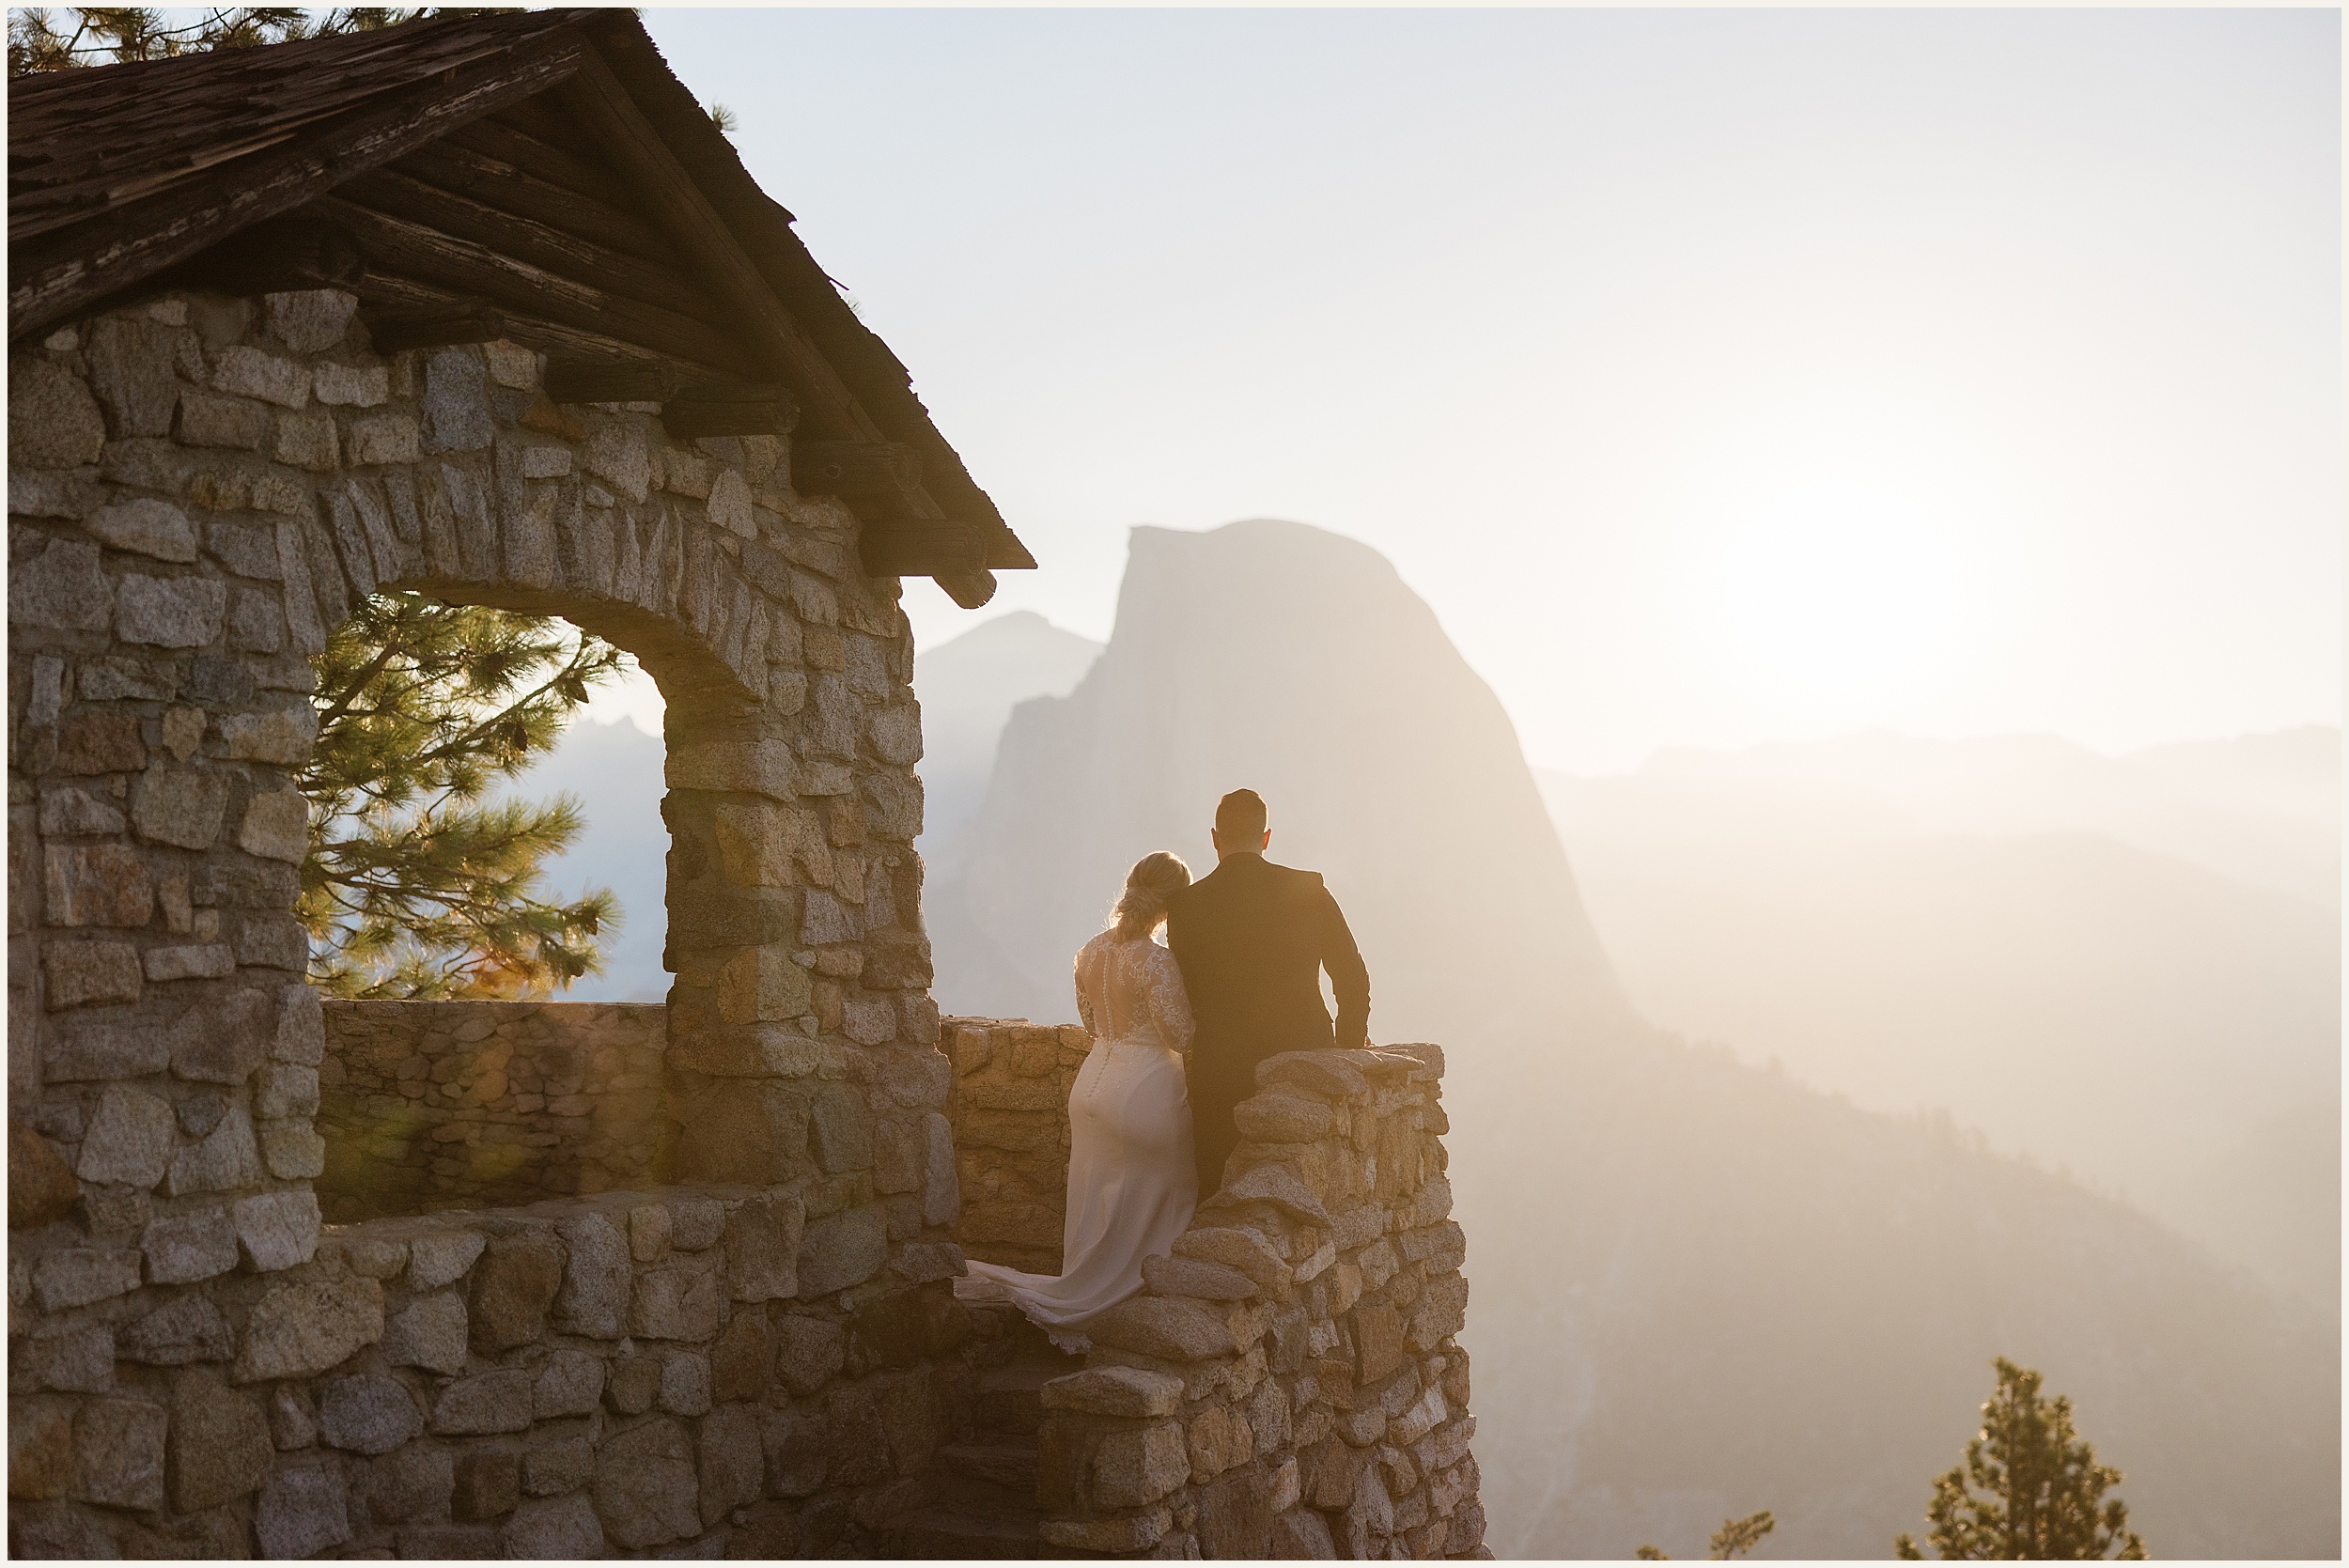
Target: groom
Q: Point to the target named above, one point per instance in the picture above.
(1252, 939)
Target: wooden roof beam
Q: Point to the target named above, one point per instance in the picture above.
(604, 107)
(468, 267)
(926, 543)
(382, 290)
(886, 472)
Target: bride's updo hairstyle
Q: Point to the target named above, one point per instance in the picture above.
(1154, 880)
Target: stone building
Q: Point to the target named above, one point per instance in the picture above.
(488, 309)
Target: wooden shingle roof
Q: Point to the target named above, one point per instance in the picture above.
(541, 171)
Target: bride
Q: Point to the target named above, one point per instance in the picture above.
(1132, 1181)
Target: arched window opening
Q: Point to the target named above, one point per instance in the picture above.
(427, 874)
(452, 928)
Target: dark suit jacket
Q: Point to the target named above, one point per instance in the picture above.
(1252, 939)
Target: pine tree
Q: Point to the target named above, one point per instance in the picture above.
(41, 40)
(418, 884)
(1741, 1536)
(1735, 1536)
(2040, 1487)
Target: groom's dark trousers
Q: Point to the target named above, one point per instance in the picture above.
(1252, 939)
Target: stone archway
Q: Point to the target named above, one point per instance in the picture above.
(201, 487)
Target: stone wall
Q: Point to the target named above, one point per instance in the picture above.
(435, 1105)
(702, 1369)
(1289, 1383)
(1009, 1106)
(200, 488)
(758, 1362)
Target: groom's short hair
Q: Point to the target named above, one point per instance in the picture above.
(1240, 816)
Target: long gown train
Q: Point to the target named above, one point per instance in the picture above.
(1132, 1181)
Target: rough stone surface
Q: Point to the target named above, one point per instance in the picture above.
(1196, 1276)
(75, 1276)
(742, 1359)
(352, 385)
(41, 1186)
(558, 1467)
(513, 1287)
(276, 1230)
(842, 1249)
(438, 1258)
(733, 1468)
(1113, 1391)
(52, 420)
(678, 1302)
(369, 1414)
(78, 1360)
(118, 1452)
(489, 1402)
(40, 1449)
(169, 611)
(762, 1242)
(809, 1352)
(130, 1140)
(569, 1384)
(130, 368)
(218, 1445)
(1173, 1329)
(645, 1492)
(1134, 1467)
(429, 1332)
(456, 402)
(186, 1329)
(276, 826)
(299, 1327)
(411, 1486)
(489, 1483)
(146, 527)
(592, 1299)
(684, 1383)
(304, 1510)
(310, 320)
(181, 1248)
(250, 372)
(554, 1527)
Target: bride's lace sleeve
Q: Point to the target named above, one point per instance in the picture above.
(1170, 1004)
(1084, 992)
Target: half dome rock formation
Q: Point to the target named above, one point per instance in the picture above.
(1296, 662)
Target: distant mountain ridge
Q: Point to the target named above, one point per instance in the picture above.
(2053, 945)
(2260, 809)
(968, 687)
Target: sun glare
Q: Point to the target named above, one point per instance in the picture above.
(1833, 604)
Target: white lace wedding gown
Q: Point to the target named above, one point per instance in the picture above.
(1132, 1181)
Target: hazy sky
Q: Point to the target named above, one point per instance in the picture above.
(1718, 376)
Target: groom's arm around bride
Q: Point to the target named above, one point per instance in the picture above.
(1252, 939)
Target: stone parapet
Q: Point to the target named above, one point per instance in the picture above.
(1289, 1383)
(679, 1369)
(1009, 1106)
(436, 1105)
